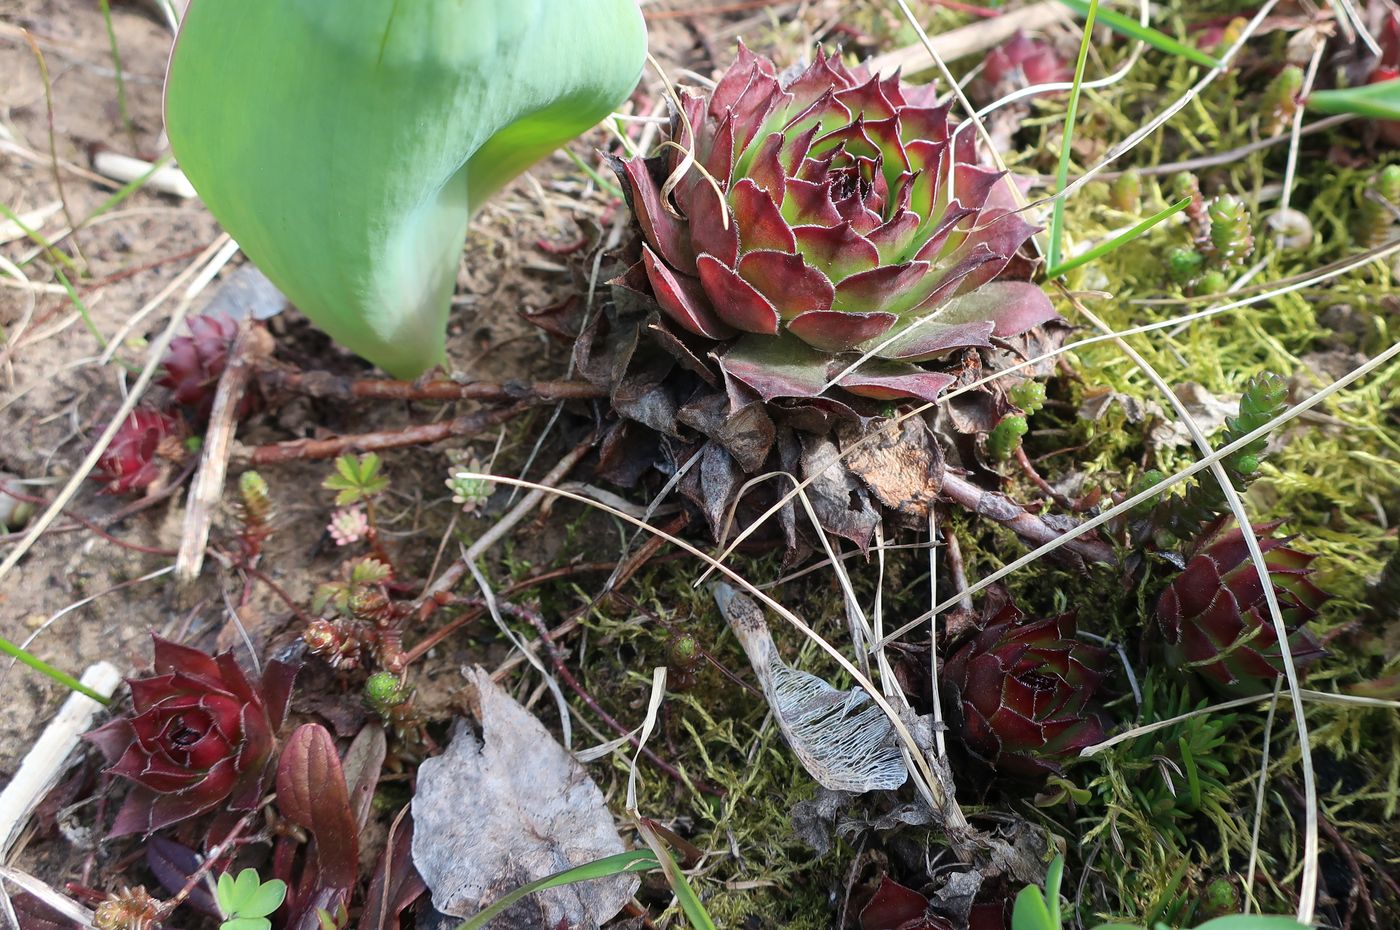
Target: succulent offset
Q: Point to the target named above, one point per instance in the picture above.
(807, 222)
(199, 737)
(1021, 61)
(1215, 618)
(1022, 692)
(130, 462)
(193, 364)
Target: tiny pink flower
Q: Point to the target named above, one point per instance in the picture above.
(348, 525)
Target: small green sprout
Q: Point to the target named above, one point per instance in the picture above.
(1028, 395)
(1185, 264)
(1230, 232)
(356, 479)
(247, 900)
(1005, 438)
(469, 493)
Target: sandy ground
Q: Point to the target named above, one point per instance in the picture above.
(55, 396)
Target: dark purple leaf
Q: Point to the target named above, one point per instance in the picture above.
(173, 864)
(395, 884)
(311, 792)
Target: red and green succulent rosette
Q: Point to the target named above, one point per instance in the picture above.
(199, 737)
(1022, 692)
(827, 233)
(1215, 618)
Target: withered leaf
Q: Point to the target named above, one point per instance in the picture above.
(902, 466)
(495, 812)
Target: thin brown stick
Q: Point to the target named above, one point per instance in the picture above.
(252, 343)
(326, 385)
(957, 568)
(1028, 469)
(1013, 516)
(298, 449)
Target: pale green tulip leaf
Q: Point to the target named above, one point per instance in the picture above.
(344, 145)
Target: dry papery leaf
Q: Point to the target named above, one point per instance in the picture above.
(842, 738)
(495, 812)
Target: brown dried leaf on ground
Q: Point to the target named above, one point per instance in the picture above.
(495, 812)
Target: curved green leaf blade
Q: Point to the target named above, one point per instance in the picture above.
(344, 145)
(1374, 101)
(1130, 27)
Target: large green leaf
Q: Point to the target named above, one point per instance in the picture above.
(345, 144)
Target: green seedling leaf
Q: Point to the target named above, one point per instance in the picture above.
(246, 901)
(39, 665)
(638, 860)
(246, 923)
(1374, 101)
(345, 145)
(1057, 212)
(357, 478)
(268, 898)
(1126, 25)
(1030, 912)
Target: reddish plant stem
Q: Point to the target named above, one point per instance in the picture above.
(957, 568)
(205, 865)
(634, 562)
(138, 269)
(325, 385)
(478, 608)
(299, 449)
(562, 670)
(1014, 517)
(1028, 469)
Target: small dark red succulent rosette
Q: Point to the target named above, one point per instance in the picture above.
(131, 461)
(1022, 693)
(1020, 62)
(199, 737)
(194, 363)
(1215, 618)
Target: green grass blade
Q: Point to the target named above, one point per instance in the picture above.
(1374, 101)
(117, 67)
(1126, 25)
(131, 187)
(1057, 215)
(1122, 239)
(689, 901)
(639, 860)
(44, 668)
(38, 238)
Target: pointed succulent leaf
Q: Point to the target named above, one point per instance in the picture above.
(345, 145)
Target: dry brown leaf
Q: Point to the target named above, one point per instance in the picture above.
(495, 812)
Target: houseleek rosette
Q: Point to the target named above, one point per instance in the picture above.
(827, 219)
(345, 145)
(1215, 616)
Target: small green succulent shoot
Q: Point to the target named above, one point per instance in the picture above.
(346, 145)
(246, 901)
(356, 479)
(469, 493)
